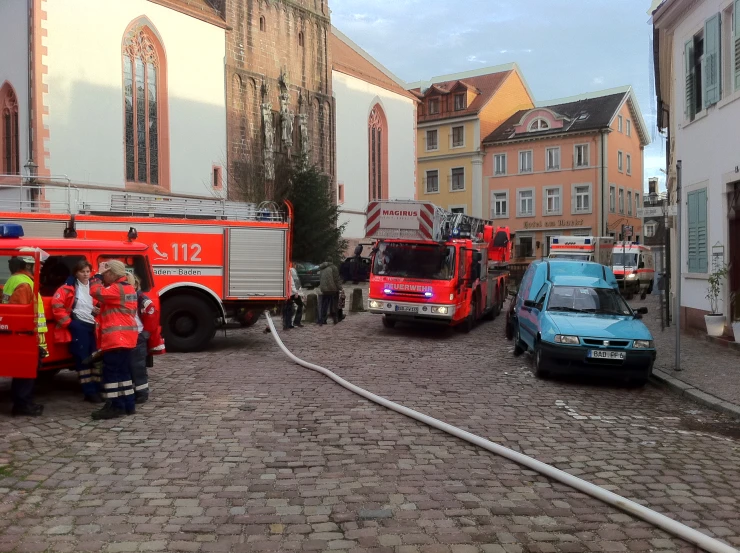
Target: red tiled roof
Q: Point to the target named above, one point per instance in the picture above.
(485, 85)
(200, 9)
(345, 59)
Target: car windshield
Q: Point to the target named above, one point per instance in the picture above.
(422, 261)
(580, 299)
(624, 258)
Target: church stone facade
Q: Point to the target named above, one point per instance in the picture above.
(279, 95)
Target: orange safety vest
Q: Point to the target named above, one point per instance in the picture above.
(117, 317)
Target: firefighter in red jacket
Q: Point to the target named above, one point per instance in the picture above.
(118, 336)
(149, 341)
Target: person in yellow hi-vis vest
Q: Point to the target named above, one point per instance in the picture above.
(19, 290)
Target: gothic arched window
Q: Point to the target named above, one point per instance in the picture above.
(9, 140)
(378, 153)
(144, 100)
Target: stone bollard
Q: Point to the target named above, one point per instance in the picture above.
(358, 303)
(311, 310)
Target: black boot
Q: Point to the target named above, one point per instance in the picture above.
(108, 411)
(27, 410)
(94, 398)
(141, 398)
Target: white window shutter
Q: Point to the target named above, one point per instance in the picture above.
(736, 40)
(712, 65)
(689, 110)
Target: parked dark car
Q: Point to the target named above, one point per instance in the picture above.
(308, 273)
(346, 269)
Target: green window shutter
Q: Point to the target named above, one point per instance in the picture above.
(736, 40)
(711, 68)
(689, 110)
(692, 231)
(702, 251)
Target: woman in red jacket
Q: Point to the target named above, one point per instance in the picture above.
(118, 336)
(74, 312)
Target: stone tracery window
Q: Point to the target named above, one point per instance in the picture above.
(378, 154)
(9, 135)
(142, 90)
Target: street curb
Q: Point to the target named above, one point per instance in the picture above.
(684, 389)
(724, 342)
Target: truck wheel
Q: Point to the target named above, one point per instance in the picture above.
(388, 323)
(188, 323)
(469, 323)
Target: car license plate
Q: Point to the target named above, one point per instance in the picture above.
(606, 354)
(407, 309)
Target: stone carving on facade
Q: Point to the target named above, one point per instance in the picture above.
(269, 158)
(286, 118)
(304, 133)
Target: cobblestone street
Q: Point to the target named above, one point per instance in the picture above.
(241, 450)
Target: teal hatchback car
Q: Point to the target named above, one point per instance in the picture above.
(571, 316)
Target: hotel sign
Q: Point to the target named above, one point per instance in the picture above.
(560, 223)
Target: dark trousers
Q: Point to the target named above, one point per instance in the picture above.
(118, 388)
(288, 311)
(328, 306)
(82, 347)
(139, 373)
(21, 389)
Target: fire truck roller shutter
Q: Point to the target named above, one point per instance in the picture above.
(256, 263)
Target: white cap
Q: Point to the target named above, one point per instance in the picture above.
(43, 256)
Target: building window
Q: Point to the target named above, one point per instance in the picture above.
(702, 68)
(300, 39)
(619, 123)
(629, 202)
(650, 229)
(143, 97)
(340, 193)
(499, 205)
(539, 125)
(637, 202)
(432, 143)
(730, 57)
(552, 201)
(9, 134)
(217, 177)
(620, 162)
(433, 104)
(621, 201)
(458, 179)
(582, 198)
(457, 210)
(581, 155)
(629, 164)
(525, 203)
(263, 24)
(525, 247)
(696, 203)
(612, 199)
(499, 162)
(378, 154)
(629, 127)
(458, 137)
(525, 161)
(461, 102)
(432, 181)
(553, 159)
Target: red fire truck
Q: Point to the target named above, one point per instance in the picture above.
(435, 266)
(216, 263)
(18, 340)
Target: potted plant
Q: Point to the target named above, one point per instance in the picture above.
(715, 321)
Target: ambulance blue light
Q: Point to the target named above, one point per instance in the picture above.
(428, 294)
(587, 241)
(10, 230)
(555, 241)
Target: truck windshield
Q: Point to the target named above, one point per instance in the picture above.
(422, 261)
(624, 258)
(573, 256)
(605, 301)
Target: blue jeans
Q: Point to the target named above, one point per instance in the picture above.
(117, 385)
(82, 347)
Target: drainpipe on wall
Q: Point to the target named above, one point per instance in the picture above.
(603, 217)
(30, 164)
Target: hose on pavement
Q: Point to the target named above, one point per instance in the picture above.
(671, 526)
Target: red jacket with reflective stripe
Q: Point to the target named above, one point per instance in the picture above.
(61, 306)
(149, 316)
(117, 317)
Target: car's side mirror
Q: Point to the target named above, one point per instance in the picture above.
(642, 311)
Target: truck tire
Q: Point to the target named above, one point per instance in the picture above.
(469, 322)
(188, 323)
(388, 323)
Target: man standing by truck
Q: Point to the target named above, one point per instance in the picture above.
(19, 290)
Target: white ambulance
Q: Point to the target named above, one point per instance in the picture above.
(634, 266)
(582, 248)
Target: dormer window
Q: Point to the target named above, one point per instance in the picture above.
(539, 125)
(461, 101)
(433, 105)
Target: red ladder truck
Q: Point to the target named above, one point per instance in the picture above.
(216, 263)
(432, 265)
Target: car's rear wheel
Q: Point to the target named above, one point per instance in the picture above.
(518, 344)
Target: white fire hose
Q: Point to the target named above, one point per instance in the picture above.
(635, 509)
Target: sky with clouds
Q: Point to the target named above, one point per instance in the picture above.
(564, 47)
